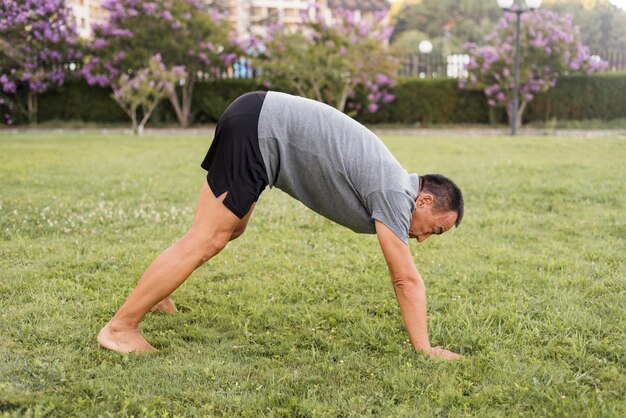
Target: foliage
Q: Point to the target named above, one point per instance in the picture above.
(436, 101)
(144, 91)
(76, 100)
(602, 28)
(183, 32)
(327, 61)
(580, 97)
(407, 43)
(431, 101)
(549, 46)
(439, 101)
(36, 38)
(213, 97)
(297, 317)
(448, 24)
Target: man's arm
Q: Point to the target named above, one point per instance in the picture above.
(410, 291)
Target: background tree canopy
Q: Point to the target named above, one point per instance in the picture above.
(449, 24)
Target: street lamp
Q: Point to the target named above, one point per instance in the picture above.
(425, 47)
(507, 6)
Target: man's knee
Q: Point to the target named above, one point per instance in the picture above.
(238, 232)
(206, 247)
(214, 246)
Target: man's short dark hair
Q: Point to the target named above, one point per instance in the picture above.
(448, 196)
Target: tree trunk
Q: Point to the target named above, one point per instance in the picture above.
(183, 110)
(298, 88)
(520, 113)
(507, 107)
(133, 117)
(492, 116)
(341, 105)
(317, 91)
(174, 101)
(146, 115)
(32, 108)
(187, 96)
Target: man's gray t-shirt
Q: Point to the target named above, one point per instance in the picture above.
(334, 165)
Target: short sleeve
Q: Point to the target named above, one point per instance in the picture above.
(394, 209)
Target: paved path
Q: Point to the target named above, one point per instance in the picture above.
(209, 130)
(479, 132)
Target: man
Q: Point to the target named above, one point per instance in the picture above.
(329, 162)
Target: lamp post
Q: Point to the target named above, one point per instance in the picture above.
(425, 48)
(507, 6)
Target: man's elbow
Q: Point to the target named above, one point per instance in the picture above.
(404, 283)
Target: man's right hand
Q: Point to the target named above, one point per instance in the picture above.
(441, 353)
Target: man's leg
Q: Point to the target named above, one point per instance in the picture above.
(212, 228)
(167, 305)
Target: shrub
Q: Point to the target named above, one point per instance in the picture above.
(418, 100)
(578, 97)
(428, 101)
(78, 101)
(575, 97)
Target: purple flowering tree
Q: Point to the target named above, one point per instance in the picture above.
(184, 32)
(549, 46)
(330, 62)
(36, 39)
(138, 96)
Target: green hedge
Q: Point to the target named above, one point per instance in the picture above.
(435, 100)
(77, 101)
(580, 97)
(208, 102)
(577, 97)
(425, 101)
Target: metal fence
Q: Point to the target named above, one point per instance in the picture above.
(421, 65)
(435, 65)
(616, 59)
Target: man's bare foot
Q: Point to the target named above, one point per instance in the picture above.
(440, 353)
(123, 341)
(166, 305)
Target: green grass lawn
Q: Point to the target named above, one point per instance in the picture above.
(298, 316)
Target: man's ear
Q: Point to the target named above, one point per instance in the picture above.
(424, 200)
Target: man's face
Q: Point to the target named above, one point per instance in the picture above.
(425, 222)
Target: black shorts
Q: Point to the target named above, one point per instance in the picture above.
(234, 162)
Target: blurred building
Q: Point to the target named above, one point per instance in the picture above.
(362, 8)
(249, 17)
(87, 13)
(396, 7)
(254, 17)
